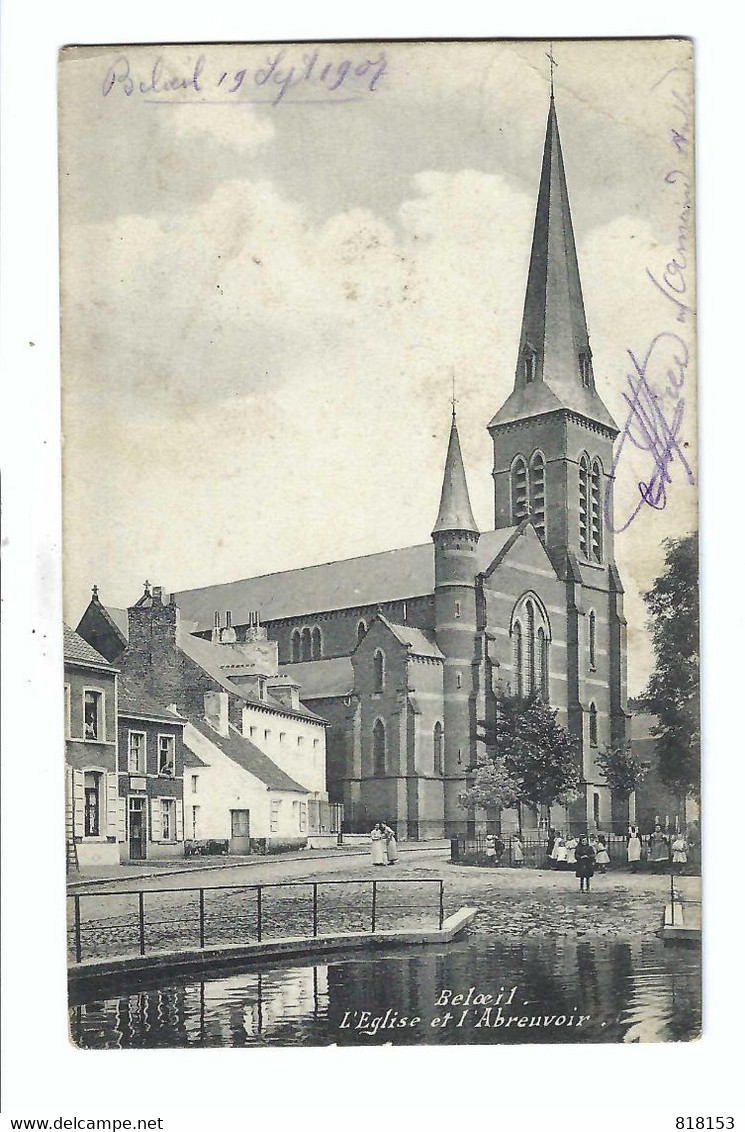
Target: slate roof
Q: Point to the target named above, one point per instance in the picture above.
(421, 641)
(192, 760)
(322, 679)
(75, 648)
(248, 756)
(136, 703)
(371, 579)
(120, 619)
(554, 326)
(455, 512)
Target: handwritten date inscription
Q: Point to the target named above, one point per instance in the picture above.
(656, 403)
(307, 77)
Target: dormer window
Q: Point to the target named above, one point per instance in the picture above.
(584, 369)
(529, 365)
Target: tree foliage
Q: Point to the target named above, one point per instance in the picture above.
(529, 758)
(673, 690)
(622, 769)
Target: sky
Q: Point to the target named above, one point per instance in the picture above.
(271, 271)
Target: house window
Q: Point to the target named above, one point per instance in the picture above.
(584, 503)
(92, 785)
(296, 646)
(136, 757)
(303, 817)
(316, 643)
(596, 808)
(166, 755)
(274, 809)
(596, 514)
(457, 609)
(378, 671)
(517, 660)
(228, 619)
(168, 815)
(195, 822)
(282, 736)
(267, 733)
(306, 649)
(519, 488)
(584, 369)
(194, 783)
(437, 753)
(379, 748)
(93, 715)
(68, 713)
(315, 744)
(299, 740)
(593, 726)
(592, 639)
(361, 630)
(458, 680)
(251, 732)
(538, 494)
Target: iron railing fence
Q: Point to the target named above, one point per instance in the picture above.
(111, 923)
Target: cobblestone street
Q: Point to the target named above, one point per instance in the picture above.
(512, 902)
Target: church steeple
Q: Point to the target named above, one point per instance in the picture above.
(554, 363)
(455, 512)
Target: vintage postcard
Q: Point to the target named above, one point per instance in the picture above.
(380, 543)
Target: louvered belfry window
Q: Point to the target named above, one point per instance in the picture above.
(538, 494)
(596, 512)
(584, 503)
(519, 490)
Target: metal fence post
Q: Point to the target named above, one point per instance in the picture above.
(442, 907)
(672, 895)
(78, 949)
(201, 917)
(374, 902)
(141, 896)
(258, 913)
(315, 910)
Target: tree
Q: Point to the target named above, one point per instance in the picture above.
(529, 758)
(622, 769)
(673, 690)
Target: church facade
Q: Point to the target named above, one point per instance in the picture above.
(403, 653)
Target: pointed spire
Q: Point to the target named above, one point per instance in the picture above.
(554, 362)
(455, 512)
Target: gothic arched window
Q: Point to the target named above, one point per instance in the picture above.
(538, 494)
(584, 369)
(593, 726)
(306, 645)
(528, 365)
(543, 686)
(519, 487)
(361, 630)
(378, 671)
(437, 749)
(379, 748)
(296, 645)
(316, 643)
(531, 681)
(584, 503)
(592, 635)
(596, 511)
(517, 659)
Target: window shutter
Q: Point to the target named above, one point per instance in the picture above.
(156, 820)
(112, 804)
(121, 824)
(78, 798)
(179, 820)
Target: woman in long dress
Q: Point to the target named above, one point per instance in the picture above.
(658, 851)
(680, 851)
(517, 850)
(391, 847)
(584, 855)
(377, 845)
(634, 849)
(602, 856)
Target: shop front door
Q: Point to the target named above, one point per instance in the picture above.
(137, 843)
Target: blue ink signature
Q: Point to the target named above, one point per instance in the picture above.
(321, 78)
(654, 423)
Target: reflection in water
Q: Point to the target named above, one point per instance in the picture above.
(632, 992)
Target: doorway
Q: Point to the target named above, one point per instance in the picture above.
(240, 827)
(137, 842)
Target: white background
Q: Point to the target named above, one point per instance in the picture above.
(604, 1088)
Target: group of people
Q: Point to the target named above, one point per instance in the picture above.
(563, 850)
(383, 847)
(659, 848)
(495, 848)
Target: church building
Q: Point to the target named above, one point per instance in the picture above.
(403, 652)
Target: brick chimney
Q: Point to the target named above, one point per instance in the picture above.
(216, 711)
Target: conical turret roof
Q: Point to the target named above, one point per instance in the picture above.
(455, 512)
(554, 363)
